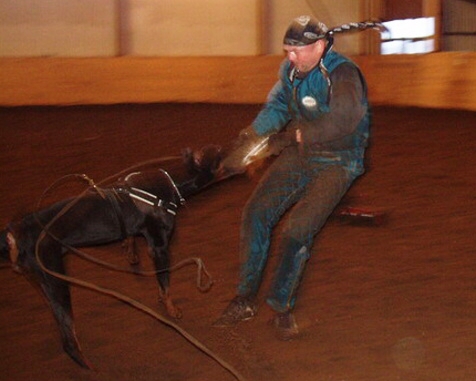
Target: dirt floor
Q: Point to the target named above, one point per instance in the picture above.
(390, 302)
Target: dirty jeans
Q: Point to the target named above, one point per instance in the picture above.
(312, 186)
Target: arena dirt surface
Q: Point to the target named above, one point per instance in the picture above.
(394, 302)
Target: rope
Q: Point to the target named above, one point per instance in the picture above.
(201, 269)
(94, 185)
(200, 265)
(134, 303)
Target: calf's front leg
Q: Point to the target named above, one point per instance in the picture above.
(158, 238)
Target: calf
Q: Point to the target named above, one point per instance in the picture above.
(140, 203)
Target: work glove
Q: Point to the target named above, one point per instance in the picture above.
(247, 148)
(280, 140)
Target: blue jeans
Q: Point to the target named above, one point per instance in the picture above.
(312, 186)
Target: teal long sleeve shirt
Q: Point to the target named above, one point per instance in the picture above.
(331, 118)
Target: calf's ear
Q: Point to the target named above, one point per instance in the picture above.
(187, 157)
(187, 154)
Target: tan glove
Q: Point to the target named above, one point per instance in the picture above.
(280, 140)
(247, 148)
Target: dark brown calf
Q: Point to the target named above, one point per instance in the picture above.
(141, 203)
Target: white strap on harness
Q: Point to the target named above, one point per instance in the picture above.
(156, 201)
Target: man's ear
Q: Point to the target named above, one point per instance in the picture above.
(321, 45)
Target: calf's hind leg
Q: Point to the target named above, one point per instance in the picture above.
(58, 296)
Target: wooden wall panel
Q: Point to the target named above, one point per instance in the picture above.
(403, 9)
(440, 80)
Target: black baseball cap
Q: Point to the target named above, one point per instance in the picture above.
(304, 30)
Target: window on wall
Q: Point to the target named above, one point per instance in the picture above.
(409, 36)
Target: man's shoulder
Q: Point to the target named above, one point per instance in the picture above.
(334, 59)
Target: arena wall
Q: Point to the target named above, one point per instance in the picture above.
(438, 80)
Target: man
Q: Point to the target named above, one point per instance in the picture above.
(319, 107)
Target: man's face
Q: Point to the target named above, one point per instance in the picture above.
(305, 57)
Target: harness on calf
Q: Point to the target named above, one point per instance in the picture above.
(114, 196)
(152, 199)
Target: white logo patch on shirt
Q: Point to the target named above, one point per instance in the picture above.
(309, 102)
